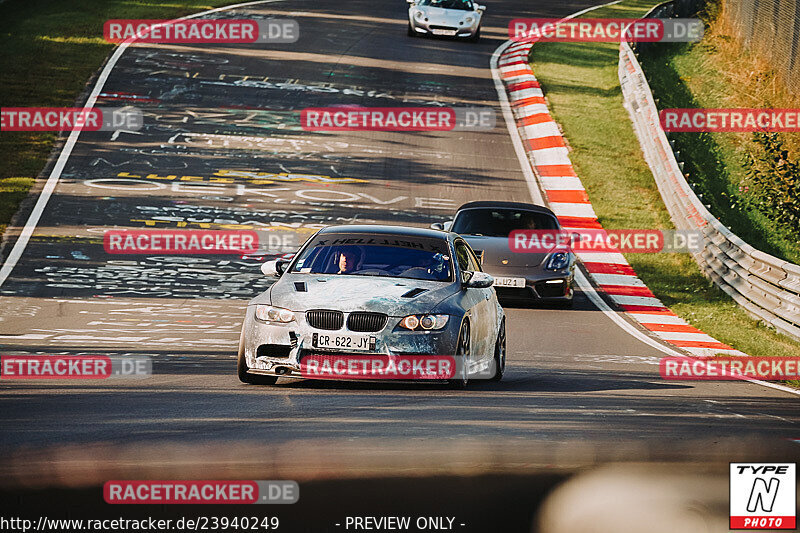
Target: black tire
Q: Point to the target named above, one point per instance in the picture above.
(244, 375)
(500, 353)
(462, 351)
(477, 36)
(411, 32)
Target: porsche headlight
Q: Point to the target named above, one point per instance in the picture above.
(424, 322)
(557, 261)
(268, 313)
(469, 20)
(418, 15)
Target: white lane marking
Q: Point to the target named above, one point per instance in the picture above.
(66, 151)
(647, 318)
(635, 300)
(686, 336)
(551, 156)
(563, 209)
(618, 279)
(529, 110)
(530, 92)
(545, 129)
(611, 258)
(580, 278)
(598, 301)
(566, 183)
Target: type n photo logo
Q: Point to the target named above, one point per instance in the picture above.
(763, 495)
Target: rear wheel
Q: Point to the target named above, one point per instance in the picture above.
(500, 353)
(242, 369)
(462, 358)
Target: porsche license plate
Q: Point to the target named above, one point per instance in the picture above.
(509, 282)
(359, 343)
(443, 32)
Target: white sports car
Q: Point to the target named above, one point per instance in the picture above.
(454, 18)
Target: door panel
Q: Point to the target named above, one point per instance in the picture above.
(467, 262)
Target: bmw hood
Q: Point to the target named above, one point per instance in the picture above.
(392, 296)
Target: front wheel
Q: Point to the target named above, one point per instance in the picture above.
(462, 354)
(245, 376)
(411, 32)
(500, 353)
(476, 36)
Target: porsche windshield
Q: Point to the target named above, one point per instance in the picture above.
(463, 5)
(500, 222)
(377, 255)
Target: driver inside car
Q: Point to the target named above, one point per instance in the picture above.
(348, 261)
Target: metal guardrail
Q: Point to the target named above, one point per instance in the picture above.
(765, 286)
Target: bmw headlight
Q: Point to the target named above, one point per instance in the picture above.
(268, 313)
(424, 322)
(558, 261)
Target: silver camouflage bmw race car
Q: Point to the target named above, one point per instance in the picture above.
(379, 292)
(454, 18)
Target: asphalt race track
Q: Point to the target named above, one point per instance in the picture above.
(578, 388)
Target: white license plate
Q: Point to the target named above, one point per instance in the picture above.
(509, 282)
(342, 342)
(443, 32)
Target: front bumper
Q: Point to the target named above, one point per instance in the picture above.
(278, 350)
(545, 286)
(423, 27)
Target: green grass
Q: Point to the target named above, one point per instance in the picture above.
(12, 192)
(50, 50)
(684, 75)
(580, 81)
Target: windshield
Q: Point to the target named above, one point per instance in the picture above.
(501, 222)
(464, 5)
(377, 255)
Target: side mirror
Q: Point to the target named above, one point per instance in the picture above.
(274, 268)
(411, 1)
(480, 8)
(437, 225)
(478, 280)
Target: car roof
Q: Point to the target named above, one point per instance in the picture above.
(488, 204)
(405, 231)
